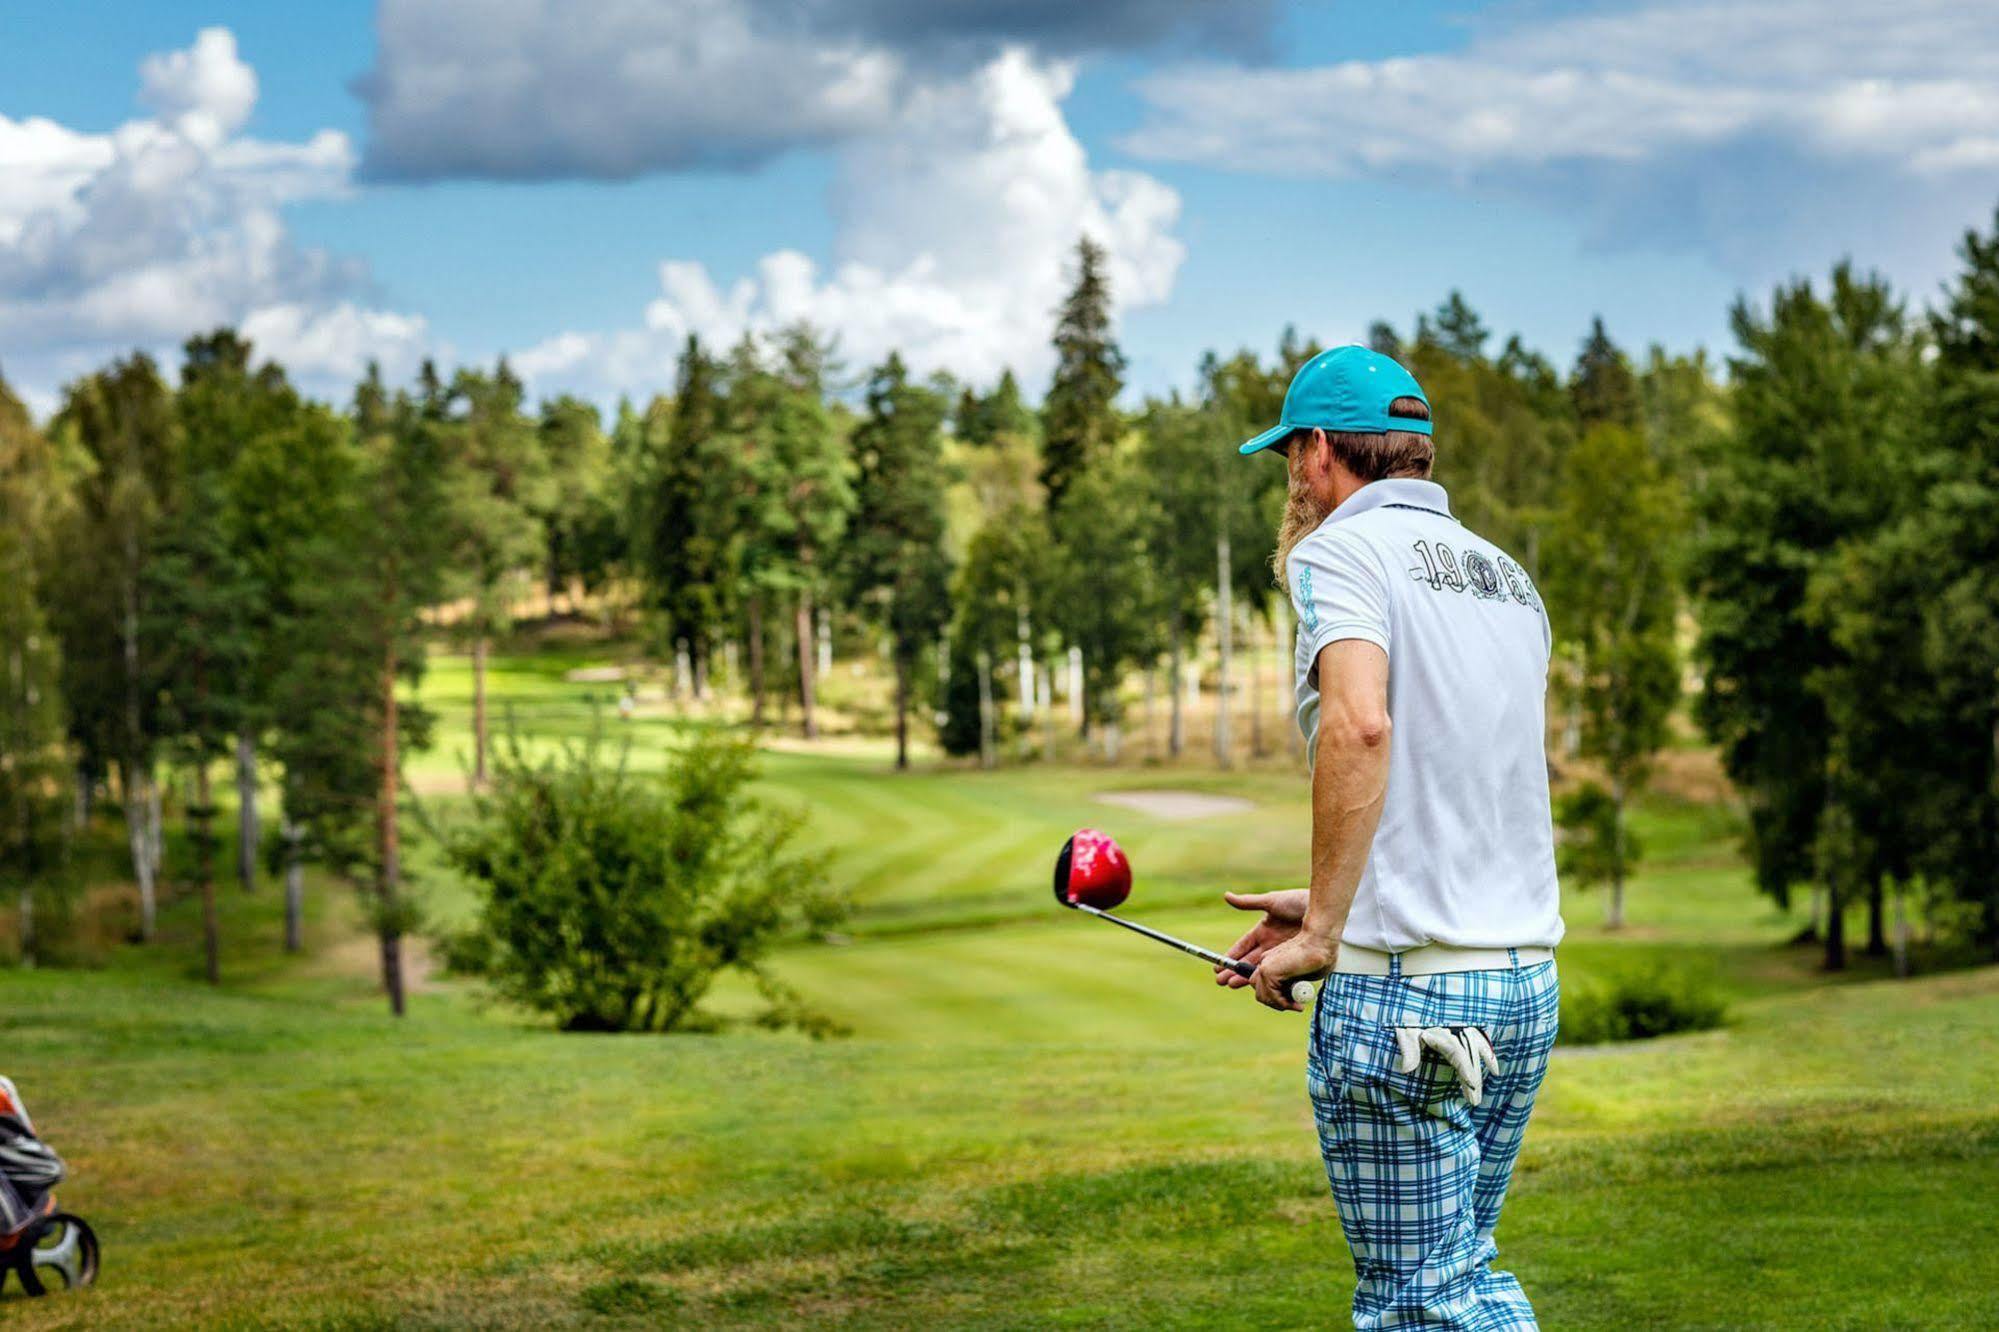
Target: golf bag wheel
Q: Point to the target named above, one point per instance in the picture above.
(60, 1250)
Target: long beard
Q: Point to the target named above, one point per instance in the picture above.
(1302, 516)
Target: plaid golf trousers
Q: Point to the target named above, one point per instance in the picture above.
(1419, 1175)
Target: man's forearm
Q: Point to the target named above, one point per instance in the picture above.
(1349, 780)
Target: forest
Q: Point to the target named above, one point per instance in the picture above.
(212, 579)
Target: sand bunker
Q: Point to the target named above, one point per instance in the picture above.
(1176, 805)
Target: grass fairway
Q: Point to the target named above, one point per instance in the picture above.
(1036, 1121)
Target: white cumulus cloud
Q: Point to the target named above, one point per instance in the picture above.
(1759, 130)
(955, 231)
(173, 223)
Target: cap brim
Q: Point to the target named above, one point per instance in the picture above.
(1277, 434)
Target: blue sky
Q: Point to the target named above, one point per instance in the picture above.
(441, 177)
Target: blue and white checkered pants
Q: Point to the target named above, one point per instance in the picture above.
(1419, 1175)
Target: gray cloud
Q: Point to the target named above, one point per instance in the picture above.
(539, 89)
(1055, 27)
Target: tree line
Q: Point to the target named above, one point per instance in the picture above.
(221, 572)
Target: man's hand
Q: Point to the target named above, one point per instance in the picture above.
(1304, 956)
(1282, 914)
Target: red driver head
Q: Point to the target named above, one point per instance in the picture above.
(1092, 871)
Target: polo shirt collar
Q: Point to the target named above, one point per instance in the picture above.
(1401, 491)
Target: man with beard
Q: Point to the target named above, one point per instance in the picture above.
(1422, 666)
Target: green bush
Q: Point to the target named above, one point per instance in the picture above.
(1637, 1006)
(1589, 849)
(612, 901)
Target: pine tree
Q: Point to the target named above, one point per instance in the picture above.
(201, 609)
(1956, 540)
(358, 638)
(1079, 417)
(1106, 595)
(1613, 587)
(579, 513)
(34, 759)
(1001, 587)
(498, 482)
(1245, 502)
(1181, 458)
(1457, 329)
(982, 420)
(224, 407)
(1602, 386)
(896, 562)
(120, 424)
(691, 519)
(796, 487)
(1820, 399)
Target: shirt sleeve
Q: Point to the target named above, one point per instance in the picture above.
(1339, 592)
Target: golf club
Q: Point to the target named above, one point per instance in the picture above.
(1092, 875)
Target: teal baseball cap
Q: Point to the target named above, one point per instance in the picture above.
(1345, 388)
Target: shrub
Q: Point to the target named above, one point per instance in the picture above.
(611, 900)
(1587, 851)
(1639, 1005)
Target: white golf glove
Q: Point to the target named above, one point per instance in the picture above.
(1465, 1049)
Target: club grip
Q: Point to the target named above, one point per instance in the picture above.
(1300, 992)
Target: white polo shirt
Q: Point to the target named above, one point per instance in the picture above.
(1465, 853)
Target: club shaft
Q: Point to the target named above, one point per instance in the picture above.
(1239, 967)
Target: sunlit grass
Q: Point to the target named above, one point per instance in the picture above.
(1036, 1121)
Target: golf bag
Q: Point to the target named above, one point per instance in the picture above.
(28, 1165)
(37, 1242)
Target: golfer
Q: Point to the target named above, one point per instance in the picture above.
(1422, 665)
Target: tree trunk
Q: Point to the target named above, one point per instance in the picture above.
(683, 670)
(249, 831)
(1614, 919)
(27, 924)
(1901, 934)
(1877, 928)
(1024, 666)
(1079, 712)
(133, 784)
(388, 846)
(1047, 686)
(86, 785)
(294, 890)
(1815, 929)
(156, 826)
(1176, 725)
(1835, 929)
(902, 666)
(202, 814)
(825, 641)
(757, 660)
(700, 654)
(140, 810)
(1255, 688)
(802, 628)
(1152, 711)
(987, 757)
(1289, 690)
(479, 712)
(1224, 616)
